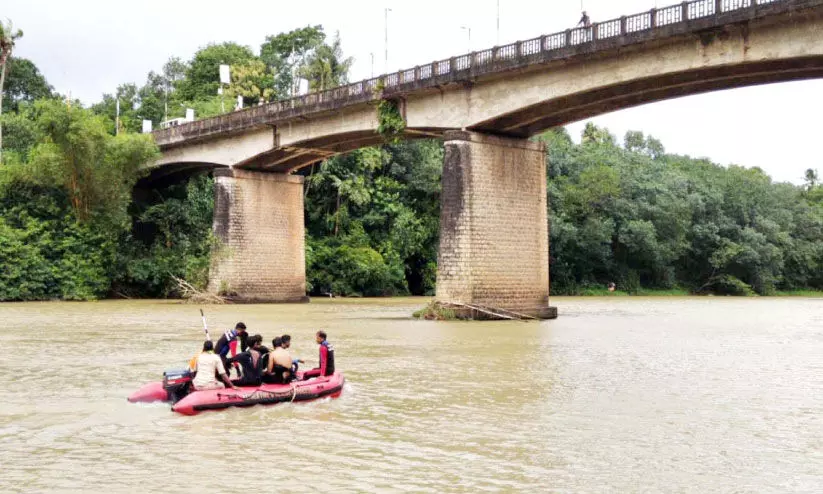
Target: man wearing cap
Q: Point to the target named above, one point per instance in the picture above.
(224, 344)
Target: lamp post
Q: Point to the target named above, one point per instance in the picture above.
(372, 64)
(469, 29)
(498, 23)
(386, 38)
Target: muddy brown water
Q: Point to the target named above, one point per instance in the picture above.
(617, 395)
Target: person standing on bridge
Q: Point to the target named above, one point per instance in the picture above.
(584, 20)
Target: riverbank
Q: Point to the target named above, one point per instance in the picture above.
(680, 292)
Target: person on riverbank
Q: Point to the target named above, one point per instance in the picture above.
(249, 362)
(224, 344)
(209, 366)
(326, 367)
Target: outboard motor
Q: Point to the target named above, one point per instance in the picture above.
(177, 383)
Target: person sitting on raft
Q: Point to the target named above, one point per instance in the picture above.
(208, 367)
(326, 358)
(249, 362)
(280, 362)
(223, 345)
(268, 375)
(286, 340)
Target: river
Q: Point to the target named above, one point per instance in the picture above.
(617, 395)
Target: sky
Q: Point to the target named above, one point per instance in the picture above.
(88, 47)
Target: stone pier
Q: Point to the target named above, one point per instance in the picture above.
(494, 236)
(258, 220)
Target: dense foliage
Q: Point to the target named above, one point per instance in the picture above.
(638, 217)
(74, 224)
(63, 208)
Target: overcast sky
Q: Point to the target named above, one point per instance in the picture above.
(88, 47)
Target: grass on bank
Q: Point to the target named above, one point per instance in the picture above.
(799, 293)
(680, 292)
(643, 292)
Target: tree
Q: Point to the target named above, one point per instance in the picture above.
(812, 179)
(252, 81)
(327, 67)
(8, 37)
(127, 95)
(24, 83)
(203, 74)
(286, 53)
(597, 135)
(97, 170)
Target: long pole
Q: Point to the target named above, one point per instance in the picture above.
(386, 38)
(372, 64)
(166, 101)
(2, 85)
(205, 327)
(498, 23)
(469, 30)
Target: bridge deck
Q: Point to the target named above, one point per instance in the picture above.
(691, 17)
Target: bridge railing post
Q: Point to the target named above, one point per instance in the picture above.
(416, 73)
(568, 37)
(653, 18)
(595, 31)
(622, 25)
(718, 7)
(684, 11)
(452, 65)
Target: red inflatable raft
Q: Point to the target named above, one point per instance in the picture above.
(217, 399)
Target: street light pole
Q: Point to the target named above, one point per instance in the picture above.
(469, 29)
(498, 23)
(386, 40)
(372, 64)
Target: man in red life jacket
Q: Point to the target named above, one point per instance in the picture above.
(326, 358)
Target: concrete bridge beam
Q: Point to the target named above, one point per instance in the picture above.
(258, 220)
(494, 230)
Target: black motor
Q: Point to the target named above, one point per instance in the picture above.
(177, 384)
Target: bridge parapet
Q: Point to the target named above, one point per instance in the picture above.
(687, 17)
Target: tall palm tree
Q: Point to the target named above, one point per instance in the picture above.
(8, 36)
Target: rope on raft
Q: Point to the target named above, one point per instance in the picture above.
(248, 396)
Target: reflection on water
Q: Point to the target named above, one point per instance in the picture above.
(622, 395)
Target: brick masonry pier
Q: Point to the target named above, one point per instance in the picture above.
(258, 219)
(494, 233)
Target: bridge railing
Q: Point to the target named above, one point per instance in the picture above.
(476, 63)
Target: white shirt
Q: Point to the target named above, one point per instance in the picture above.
(207, 364)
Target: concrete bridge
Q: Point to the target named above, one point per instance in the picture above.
(485, 105)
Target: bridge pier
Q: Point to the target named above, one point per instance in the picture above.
(258, 219)
(494, 236)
